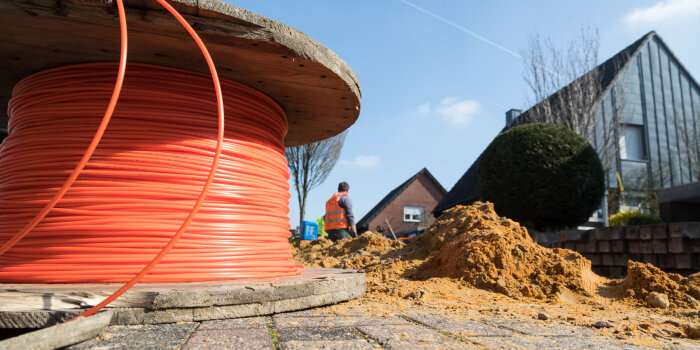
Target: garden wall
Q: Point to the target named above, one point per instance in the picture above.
(672, 247)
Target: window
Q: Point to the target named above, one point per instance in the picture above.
(413, 214)
(631, 142)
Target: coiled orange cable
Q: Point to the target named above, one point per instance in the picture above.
(141, 182)
(215, 247)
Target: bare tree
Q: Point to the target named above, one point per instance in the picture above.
(566, 86)
(310, 164)
(689, 139)
(564, 81)
(567, 89)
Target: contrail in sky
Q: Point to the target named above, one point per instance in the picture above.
(445, 20)
(453, 24)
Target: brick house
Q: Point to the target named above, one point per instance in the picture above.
(407, 207)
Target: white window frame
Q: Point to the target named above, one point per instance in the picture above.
(413, 213)
(632, 135)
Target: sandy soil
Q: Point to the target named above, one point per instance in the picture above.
(472, 263)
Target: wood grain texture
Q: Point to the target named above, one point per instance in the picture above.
(318, 91)
(40, 305)
(60, 335)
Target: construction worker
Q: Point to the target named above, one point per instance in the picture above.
(339, 219)
(321, 227)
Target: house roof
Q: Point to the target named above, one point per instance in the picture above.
(466, 190)
(395, 193)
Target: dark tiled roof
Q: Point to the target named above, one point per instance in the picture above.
(364, 222)
(466, 190)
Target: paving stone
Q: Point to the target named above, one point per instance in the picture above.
(594, 258)
(621, 259)
(608, 259)
(403, 345)
(683, 344)
(328, 344)
(659, 231)
(333, 321)
(634, 247)
(540, 343)
(540, 328)
(161, 336)
(411, 337)
(325, 333)
(632, 233)
(459, 327)
(324, 312)
(230, 339)
(236, 323)
(304, 313)
(618, 246)
(678, 245)
(684, 261)
(659, 246)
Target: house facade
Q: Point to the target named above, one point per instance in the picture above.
(649, 107)
(406, 208)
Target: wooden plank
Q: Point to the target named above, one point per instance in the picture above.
(39, 305)
(60, 335)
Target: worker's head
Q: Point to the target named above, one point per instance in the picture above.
(343, 187)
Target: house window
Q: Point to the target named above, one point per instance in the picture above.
(413, 214)
(631, 142)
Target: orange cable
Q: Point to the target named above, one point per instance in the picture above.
(93, 144)
(207, 184)
(141, 182)
(99, 219)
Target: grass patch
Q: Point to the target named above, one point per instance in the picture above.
(363, 336)
(273, 336)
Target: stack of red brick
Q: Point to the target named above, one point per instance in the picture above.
(672, 247)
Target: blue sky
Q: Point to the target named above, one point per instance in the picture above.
(434, 95)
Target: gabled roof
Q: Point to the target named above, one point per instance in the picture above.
(466, 190)
(395, 193)
(608, 71)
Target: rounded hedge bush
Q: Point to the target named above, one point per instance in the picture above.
(544, 176)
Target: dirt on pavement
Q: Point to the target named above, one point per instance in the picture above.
(470, 250)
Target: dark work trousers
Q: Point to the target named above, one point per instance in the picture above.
(340, 233)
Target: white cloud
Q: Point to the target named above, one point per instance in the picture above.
(664, 11)
(362, 161)
(458, 111)
(424, 109)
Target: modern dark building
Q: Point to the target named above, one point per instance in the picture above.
(405, 207)
(652, 106)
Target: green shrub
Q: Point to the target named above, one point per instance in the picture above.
(634, 218)
(621, 218)
(542, 175)
(644, 219)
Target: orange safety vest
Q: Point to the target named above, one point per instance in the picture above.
(335, 214)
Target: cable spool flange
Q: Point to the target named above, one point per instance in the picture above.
(318, 91)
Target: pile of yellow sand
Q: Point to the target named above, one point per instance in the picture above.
(489, 252)
(472, 245)
(643, 279)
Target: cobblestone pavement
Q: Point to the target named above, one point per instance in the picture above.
(315, 329)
